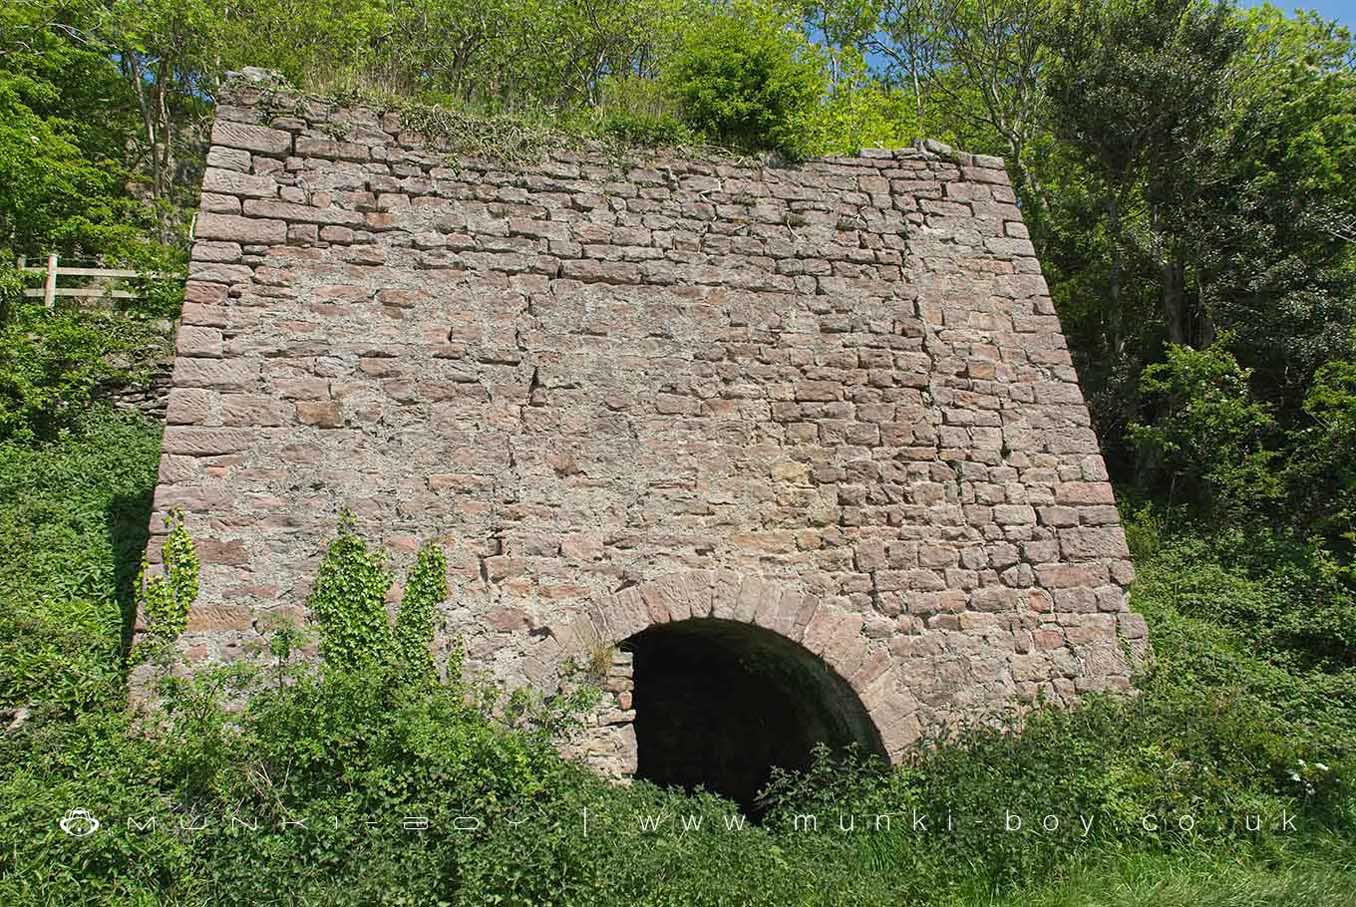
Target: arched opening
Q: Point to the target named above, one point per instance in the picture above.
(719, 703)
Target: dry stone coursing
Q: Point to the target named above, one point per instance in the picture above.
(830, 399)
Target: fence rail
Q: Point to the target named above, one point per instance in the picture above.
(50, 291)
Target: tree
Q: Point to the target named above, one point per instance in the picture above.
(902, 34)
(1141, 90)
(1276, 226)
(977, 63)
(1210, 436)
(165, 50)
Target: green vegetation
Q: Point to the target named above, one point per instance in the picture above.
(164, 597)
(747, 79)
(424, 591)
(312, 789)
(1188, 172)
(73, 516)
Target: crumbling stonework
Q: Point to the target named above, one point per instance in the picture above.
(831, 400)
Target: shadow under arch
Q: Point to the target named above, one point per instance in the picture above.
(719, 702)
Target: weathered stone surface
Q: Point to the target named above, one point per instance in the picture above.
(289, 211)
(239, 229)
(221, 374)
(188, 406)
(227, 134)
(831, 401)
(198, 341)
(322, 415)
(229, 182)
(202, 442)
(216, 251)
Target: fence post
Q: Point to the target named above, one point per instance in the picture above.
(49, 292)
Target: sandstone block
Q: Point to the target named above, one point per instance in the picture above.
(1087, 543)
(254, 409)
(216, 251)
(291, 212)
(230, 182)
(215, 551)
(205, 442)
(188, 406)
(219, 374)
(247, 230)
(326, 414)
(1084, 493)
(193, 340)
(251, 138)
(229, 159)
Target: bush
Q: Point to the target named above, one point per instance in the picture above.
(746, 78)
(1207, 440)
(639, 112)
(1323, 476)
(61, 657)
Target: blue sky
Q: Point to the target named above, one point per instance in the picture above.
(1343, 11)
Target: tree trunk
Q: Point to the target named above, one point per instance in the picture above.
(1172, 278)
(136, 76)
(1116, 315)
(917, 97)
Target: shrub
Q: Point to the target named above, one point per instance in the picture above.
(1207, 439)
(73, 514)
(746, 78)
(639, 112)
(52, 363)
(1323, 476)
(62, 657)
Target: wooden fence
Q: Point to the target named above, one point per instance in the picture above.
(50, 291)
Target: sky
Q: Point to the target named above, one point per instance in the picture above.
(1343, 11)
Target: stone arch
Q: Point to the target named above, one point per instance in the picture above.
(858, 670)
(717, 704)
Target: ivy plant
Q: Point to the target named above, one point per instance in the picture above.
(349, 600)
(165, 598)
(425, 588)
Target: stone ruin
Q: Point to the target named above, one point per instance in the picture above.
(778, 454)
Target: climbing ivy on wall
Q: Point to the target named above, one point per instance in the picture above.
(349, 600)
(164, 599)
(349, 603)
(425, 588)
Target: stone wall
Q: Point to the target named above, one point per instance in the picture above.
(829, 399)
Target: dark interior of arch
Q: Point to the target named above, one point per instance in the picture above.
(719, 703)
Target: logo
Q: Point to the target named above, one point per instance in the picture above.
(78, 823)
